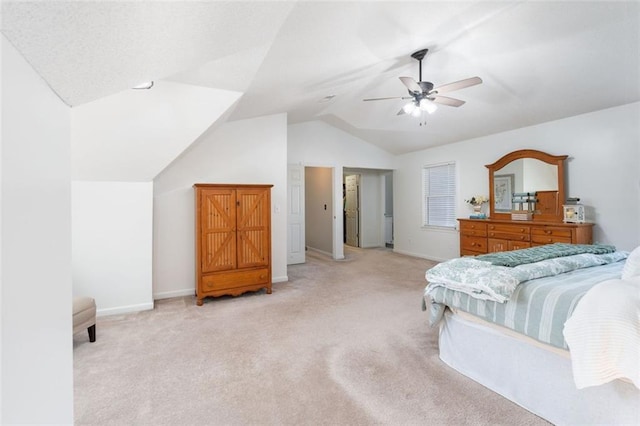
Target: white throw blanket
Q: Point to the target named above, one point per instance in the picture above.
(603, 334)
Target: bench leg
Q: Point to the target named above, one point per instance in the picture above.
(92, 333)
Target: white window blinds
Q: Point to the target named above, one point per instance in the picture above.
(439, 193)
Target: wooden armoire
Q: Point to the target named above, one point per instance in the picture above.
(233, 239)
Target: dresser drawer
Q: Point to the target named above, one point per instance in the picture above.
(235, 279)
(550, 235)
(509, 232)
(548, 239)
(509, 229)
(474, 244)
(551, 232)
(473, 229)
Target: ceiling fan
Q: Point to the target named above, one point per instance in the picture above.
(424, 96)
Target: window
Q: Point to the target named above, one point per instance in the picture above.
(439, 195)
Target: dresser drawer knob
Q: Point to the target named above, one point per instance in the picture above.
(522, 237)
(547, 232)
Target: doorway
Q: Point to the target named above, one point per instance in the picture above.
(317, 210)
(352, 210)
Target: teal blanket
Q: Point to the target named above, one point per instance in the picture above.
(537, 254)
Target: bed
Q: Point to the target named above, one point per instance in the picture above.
(555, 329)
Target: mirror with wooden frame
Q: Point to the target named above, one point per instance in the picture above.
(527, 171)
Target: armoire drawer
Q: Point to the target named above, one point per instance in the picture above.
(234, 279)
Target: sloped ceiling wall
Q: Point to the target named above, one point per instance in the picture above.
(133, 135)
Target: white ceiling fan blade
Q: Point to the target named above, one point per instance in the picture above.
(444, 100)
(411, 84)
(382, 99)
(457, 85)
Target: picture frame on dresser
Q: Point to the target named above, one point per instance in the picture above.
(503, 188)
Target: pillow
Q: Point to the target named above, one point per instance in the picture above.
(632, 265)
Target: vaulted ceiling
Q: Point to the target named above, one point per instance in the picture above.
(540, 61)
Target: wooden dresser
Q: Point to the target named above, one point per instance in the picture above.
(480, 236)
(233, 239)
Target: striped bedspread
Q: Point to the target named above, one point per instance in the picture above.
(537, 308)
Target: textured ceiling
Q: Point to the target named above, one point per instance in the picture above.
(540, 61)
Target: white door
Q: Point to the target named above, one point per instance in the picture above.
(295, 214)
(351, 208)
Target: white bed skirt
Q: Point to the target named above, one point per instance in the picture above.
(533, 376)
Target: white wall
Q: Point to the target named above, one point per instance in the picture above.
(318, 219)
(321, 145)
(37, 358)
(112, 240)
(246, 151)
(602, 169)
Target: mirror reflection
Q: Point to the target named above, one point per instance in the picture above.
(531, 175)
(522, 175)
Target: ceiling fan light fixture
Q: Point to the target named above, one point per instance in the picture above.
(409, 107)
(416, 112)
(427, 105)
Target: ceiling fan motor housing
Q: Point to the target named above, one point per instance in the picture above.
(426, 86)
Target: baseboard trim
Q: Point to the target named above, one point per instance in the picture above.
(283, 279)
(174, 293)
(326, 253)
(421, 256)
(124, 309)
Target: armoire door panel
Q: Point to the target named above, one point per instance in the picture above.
(218, 209)
(253, 227)
(251, 206)
(218, 218)
(252, 248)
(219, 251)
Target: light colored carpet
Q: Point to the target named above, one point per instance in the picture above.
(343, 342)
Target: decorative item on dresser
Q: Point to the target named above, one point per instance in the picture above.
(233, 239)
(535, 179)
(574, 211)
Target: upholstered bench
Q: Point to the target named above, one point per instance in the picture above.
(84, 316)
